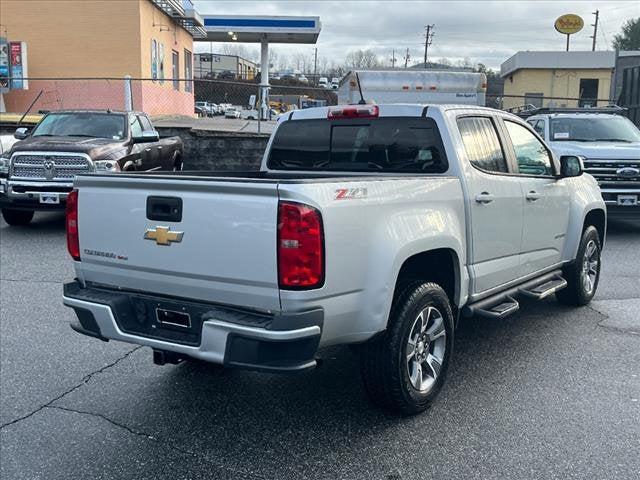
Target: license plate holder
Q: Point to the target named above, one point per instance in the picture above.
(627, 200)
(50, 198)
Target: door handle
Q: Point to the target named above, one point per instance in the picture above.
(147, 149)
(484, 198)
(159, 147)
(532, 196)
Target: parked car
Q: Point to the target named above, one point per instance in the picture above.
(375, 226)
(227, 75)
(232, 112)
(37, 172)
(335, 83)
(6, 141)
(303, 79)
(609, 146)
(206, 108)
(250, 114)
(323, 82)
(199, 111)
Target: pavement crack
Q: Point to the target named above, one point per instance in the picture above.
(105, 418)
(159, 441)
(82, 382)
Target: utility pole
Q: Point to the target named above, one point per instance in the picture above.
(428, 39)
(406, 58)
(595, 30)
(315, 66)
(393, 59)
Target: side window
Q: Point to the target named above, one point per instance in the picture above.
(482, 145)
(134, 126)
(532, 156)
(539, 127)
(146, 124)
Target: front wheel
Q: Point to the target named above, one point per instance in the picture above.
(177, 164)
(583, 274)
(405, 368)
(17, 217)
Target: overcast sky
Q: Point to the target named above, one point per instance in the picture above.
(485, 31)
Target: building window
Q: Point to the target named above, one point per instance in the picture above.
(588, 92)
(188, 71)
(534, 99)
(175, 68)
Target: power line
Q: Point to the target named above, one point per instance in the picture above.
(406, 58)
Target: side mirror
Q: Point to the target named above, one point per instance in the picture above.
(571, 166)
(21, 133)
(147, 136)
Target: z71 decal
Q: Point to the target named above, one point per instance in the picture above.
(350, 193)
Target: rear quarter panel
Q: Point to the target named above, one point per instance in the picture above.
(368, 239)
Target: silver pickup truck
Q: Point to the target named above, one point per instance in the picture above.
(374, 226)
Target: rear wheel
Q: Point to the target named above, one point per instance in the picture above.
(17, 217)
(405, 368)
(583, 274)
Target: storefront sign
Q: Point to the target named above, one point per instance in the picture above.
(154, 59)
(4, 65)
(569, 24)
(18, 53)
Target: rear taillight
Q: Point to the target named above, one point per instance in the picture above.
(73, 241)
(300, 246)
(353, 111)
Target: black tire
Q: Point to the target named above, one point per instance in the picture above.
(177, 164)
(384, 362)
(17, 217)
(577, 292)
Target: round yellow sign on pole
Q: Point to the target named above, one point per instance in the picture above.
(569, 24)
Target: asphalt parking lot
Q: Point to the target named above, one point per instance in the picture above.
(548, 393)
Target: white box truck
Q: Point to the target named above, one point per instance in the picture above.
(413, 86)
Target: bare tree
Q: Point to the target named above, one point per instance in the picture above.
(273, 58)
(240, 51)
(362, 59)
(445, 62)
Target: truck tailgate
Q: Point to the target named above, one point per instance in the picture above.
(226, 253)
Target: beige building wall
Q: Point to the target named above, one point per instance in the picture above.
(97, 38)
(155, 24)
(70, 38)
(553, 83)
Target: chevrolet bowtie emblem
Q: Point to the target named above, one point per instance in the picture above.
(163, 235)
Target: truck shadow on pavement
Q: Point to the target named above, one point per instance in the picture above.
(322, 417)
(43, 222)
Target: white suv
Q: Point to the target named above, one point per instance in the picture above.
(609, 145)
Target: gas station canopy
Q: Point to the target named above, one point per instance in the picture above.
(257, 29)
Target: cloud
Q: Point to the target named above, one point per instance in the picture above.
(487, 32)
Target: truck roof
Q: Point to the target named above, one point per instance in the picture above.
(392, 110)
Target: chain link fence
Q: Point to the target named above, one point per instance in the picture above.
(168, 98)
(161, 97)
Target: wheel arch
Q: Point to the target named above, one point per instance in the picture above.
(439, 265)
(129, 165)
(597, 218)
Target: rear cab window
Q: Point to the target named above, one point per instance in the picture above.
(386, 144)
